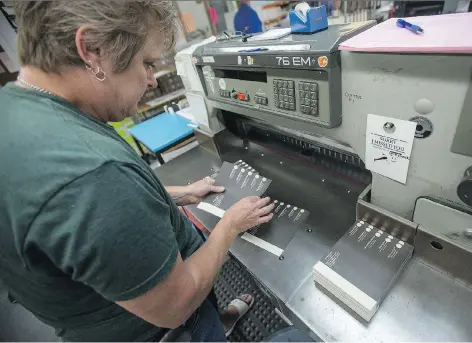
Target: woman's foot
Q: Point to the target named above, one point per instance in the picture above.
(235, 311)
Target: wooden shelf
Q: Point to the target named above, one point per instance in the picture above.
(161, 100)
(275, 20)
(275, 4)
(161, 73)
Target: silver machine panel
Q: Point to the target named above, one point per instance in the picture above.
(296, 77)
(393, 85)
(301, 95)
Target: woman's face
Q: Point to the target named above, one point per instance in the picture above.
(126, 89)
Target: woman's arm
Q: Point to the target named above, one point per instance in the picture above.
(193, 193)
(171, 302)
(178, 193)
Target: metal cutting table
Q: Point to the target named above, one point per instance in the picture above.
(424, 305)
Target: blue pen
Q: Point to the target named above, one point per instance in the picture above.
(409, 26)
(254, 50)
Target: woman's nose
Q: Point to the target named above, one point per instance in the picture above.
(152, 83)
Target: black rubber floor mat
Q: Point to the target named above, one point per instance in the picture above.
(262, 320)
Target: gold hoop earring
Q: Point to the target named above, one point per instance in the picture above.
(101, 79)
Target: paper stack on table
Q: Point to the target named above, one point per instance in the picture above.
(271, 34)
(207, 219)
(239, 182)
(275, 235)
(362, 267)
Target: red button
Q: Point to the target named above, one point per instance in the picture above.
(242, 96)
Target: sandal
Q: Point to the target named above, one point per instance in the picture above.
(242, 308)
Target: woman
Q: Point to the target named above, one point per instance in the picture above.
(90, 240)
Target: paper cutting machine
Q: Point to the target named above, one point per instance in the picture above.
(296, 109)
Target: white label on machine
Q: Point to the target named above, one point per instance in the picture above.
(388, 146)
(208, 74)
(208, 59)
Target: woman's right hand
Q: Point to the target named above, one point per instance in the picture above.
(247, 213)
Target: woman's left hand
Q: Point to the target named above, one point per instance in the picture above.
(195, 192)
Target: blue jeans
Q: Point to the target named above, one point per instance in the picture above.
(205, 324)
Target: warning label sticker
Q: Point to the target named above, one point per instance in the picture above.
(389, 143)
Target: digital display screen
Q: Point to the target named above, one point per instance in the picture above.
(257, 76)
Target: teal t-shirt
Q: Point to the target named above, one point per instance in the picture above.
(84, 221)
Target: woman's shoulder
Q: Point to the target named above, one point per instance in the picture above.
(58, 141)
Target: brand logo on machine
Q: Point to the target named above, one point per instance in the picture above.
(322, 61)
(300, 61)
(222, 84)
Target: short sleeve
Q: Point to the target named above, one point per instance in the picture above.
(109, 229)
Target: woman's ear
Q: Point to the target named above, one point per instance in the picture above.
(89, 55)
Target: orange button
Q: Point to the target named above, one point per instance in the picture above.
(242, 96)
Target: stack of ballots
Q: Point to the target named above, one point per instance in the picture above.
(240, 181)
(362, 267)
(275, 235)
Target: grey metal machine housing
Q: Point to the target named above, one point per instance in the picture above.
(296, 77)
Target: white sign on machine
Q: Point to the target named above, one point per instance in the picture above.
(389, 143)
(209, 76)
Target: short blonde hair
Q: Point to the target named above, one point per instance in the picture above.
(46, 29)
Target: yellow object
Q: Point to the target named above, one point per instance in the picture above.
(122, 129)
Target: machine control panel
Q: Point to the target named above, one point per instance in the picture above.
(261, 100)
(241, 96)
(225, 94)
(284, 94)
(297, 94)
(308, 92)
